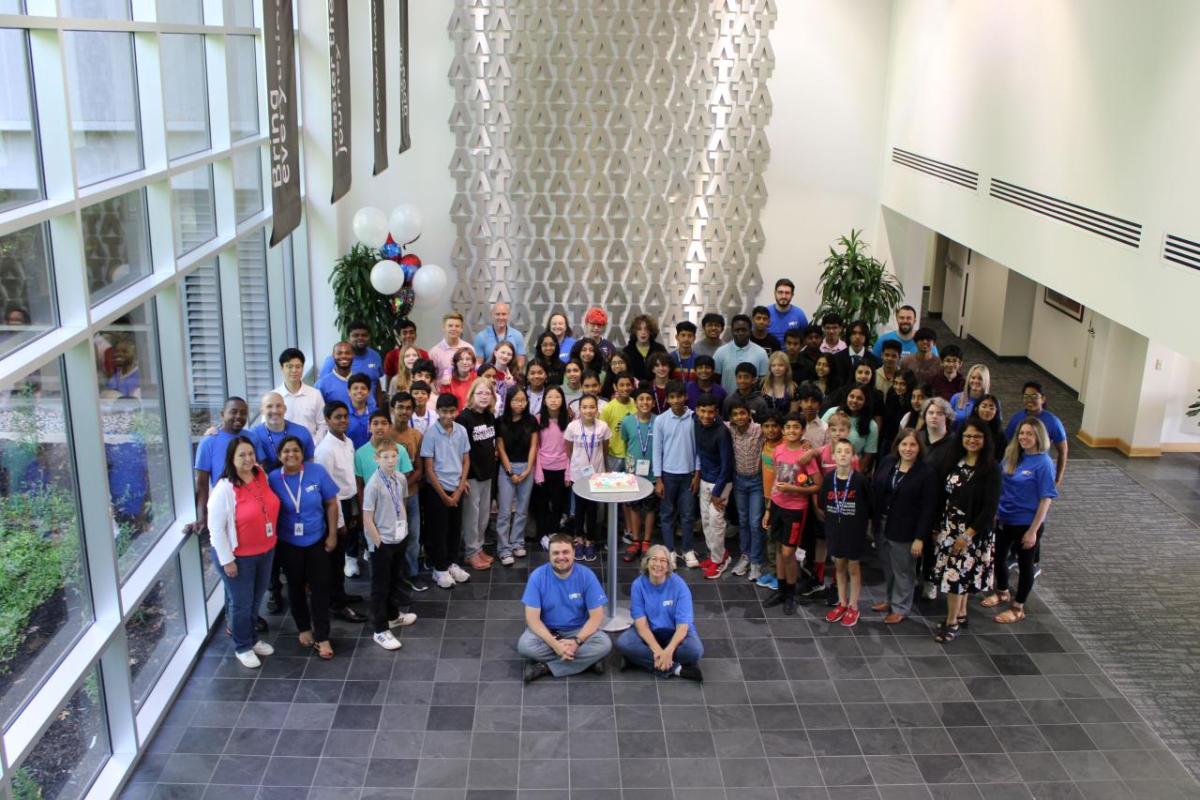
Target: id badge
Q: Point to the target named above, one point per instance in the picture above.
(270, 530)
(298, 530)
(642, 468)
(585, 471)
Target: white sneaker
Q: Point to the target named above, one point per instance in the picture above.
(385, 640)
(626, 537)
(743, 564)
(458, 573)
(674, 560)
(755, 572)
(407, 618)
(351, 568)
(690, 559)
(545, 543)
(443, 579)
(263, 649)
(248, 659)
(507, 560)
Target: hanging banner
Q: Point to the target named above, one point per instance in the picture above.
(405, 141)
(280, 50)
(379, 73)
(339, 96)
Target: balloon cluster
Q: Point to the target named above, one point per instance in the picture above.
(399, 275)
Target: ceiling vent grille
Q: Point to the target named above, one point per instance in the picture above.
(1182, 251)
(938, 169)
(1088, 219)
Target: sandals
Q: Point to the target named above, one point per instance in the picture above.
(306, 639)
(946, 633)
(991, 601)
(1010, 615)
(324, 650)
(632, 553)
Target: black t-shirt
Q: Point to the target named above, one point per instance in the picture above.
(517, 436)
(768, 342)
(481, 430)
(847, 505)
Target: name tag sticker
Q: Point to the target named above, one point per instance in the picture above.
(298, 530)
(270, 530)
(642, 468)
(585, 471)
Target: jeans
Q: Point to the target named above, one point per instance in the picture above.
(597, 646)
(388, 595)
(512, 508)
(712, 522)
(1008, 538)
(677, 501)
(412, 545)
(631, 645)
(748, 497)
(899, 573)
(477, 506)
(307, 571)
(245, 593)
(443, 529)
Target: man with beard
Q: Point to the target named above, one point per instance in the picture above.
(335, 385)
(906, 318)
(785, 316)
(366, 359)
(564, 608)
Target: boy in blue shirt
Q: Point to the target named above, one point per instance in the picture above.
(676, 467)
(446, 455)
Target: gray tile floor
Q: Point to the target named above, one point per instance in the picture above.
(791, 707)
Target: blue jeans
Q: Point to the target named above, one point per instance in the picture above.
(512, 509)
(412, 543)
(631, 645)
(748, 498)
(677, 500)
(244, 596)
(594, 649)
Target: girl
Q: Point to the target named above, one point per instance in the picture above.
(588, 354)
(979, 383)
(988, 409)
(479, 420)
(550, 463)
(403, 377)
(864, 433)
(617, 366)
(778, 388)
(572, 381)
(558, 326)
(896, 404)
(516, 446)
(462, 375)
(546, 354)
(586, 443)
(917, 395)
(643, 340)
(823, 367)
(535, 389)
(504, 359)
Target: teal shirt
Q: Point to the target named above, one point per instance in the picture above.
(365, 466)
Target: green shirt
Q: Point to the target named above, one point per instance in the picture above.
(365, 466)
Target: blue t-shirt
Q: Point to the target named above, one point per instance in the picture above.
(564, 602)
(663, 606)
(961, 415)
(334, 387)
(1028, 485)
(266, 442)
(313, 487)
(1053, 424)
(792, 319)
(907, 346)
(210, 455)
(369, 363)
(447, 451)
(359, 429)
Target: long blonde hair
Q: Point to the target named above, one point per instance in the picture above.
(475, 384)
(403, 378)
(1013, 453)
(985, 376)
(769, 384)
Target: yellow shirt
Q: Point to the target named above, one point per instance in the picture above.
(611, 415)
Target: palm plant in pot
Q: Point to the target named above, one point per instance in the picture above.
(855, 285)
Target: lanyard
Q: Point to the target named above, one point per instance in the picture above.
(660, 405)
(497, 336)
(589, 446)
(644, 441)
(393, 485)
(262, 506)
(295, 498)
(897, 477)
(839, 502)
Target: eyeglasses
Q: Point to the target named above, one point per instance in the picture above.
(1030, 396)
(973, 436)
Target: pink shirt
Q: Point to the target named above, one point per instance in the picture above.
(789, 470)
(442, 356)
(551, 454)
(588, 446)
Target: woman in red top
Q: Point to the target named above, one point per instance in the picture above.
(462, 375)
(243, 514)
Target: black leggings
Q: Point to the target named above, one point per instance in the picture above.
(553, 501)
(1008, 537)
(587, 519)
(307, 567)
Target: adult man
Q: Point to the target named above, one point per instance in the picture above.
(564, 607)
(831, 327)
(365, 359)
(784, 315)
(1035, 406)
(924, 363)
(442, 353)
(405, 332)
(304, 403)
(268, 434)
(335, 385)
(740, 350)
(499, 331)
(210, 455)
(906, 318)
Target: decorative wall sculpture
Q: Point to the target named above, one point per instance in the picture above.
(609, 152)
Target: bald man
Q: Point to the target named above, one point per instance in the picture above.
(270, 432)
(499, 331)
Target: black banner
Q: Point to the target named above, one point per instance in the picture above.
(379, 73)
(339, 97)
(405, 140)
(280, 50)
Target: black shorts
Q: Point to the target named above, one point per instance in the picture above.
(846, 544)
(787, 525)
(647, 505)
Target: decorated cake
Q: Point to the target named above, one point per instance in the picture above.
(612, 482)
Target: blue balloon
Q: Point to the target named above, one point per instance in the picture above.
(390, 250)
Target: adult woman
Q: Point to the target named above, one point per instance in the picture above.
(558, 326)
(462, 375)
(516, 447)
(546, 354)
(896, 403)
(403, 377)
(243, 516)
(988, 409)
(1027, 487)
(778, 388)
(864, 433)
(979, 383)
(643, 340)
(963, 542)
(906, 496)
(934, 431)
(308, 517)
(663, 638)
(587, 352)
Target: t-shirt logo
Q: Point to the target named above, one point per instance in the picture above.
(312, 487)
(668, 602)
(575, 596)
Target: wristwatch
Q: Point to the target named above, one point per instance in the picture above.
(579, 641)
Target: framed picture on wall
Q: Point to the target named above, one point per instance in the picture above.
(1061, 302)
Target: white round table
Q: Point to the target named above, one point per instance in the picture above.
(618, 617)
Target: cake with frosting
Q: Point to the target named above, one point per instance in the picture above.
(612, 482)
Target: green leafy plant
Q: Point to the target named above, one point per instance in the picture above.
(24, 786)
(1194, 409)
(856, 285)
(357, 300)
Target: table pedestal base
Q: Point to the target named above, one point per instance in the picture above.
(618, 620)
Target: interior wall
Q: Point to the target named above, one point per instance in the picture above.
(1057, 342)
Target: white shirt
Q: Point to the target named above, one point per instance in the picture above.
(422, 422)
(306, 407)
(337, 457)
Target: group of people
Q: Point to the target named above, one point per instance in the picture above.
(820, 445)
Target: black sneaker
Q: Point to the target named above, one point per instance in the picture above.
(418, 584)
(812, 589)
(789, 605)
(260, 624)
(691, 672)
(831, 595)
(535, 670)
(598, 667)
(776, 599)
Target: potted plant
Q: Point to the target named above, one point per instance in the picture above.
(357, 300)
(857, 286)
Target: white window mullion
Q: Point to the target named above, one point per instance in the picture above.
(231, 323)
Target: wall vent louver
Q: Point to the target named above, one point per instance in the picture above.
(1182, 251)
(938, 169)
(1106, 225)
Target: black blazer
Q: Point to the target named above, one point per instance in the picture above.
(978, 498)
(637, 364)
(844, 369)
(911, 508)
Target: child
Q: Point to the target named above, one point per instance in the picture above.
(585, 440)
(596, 321)
(445, 353)
(617, 366)
(446, 455)
(746, 375)
(589, 384)
(683, 358)
(516, 447)
(916, 400)
(839, 428)
(409, 440)
(747, 488)
(336, 454)
(611, 415)
(550, 469)
(772, 430)
(714, 329)
(715, 449)
(793, 485)
(535, 387)
(362, 405)
(461, 376)
(950, 382)
(424, 416)
(815, 431)
(793, 346)
(705, 382)
(637, 434)
(365, 462)
(479, 421)
(572, 382)
(587, 352)
(760, 320)
(660, 368)
(844, 504)
(778, 388)
(673, 463)
(387, 527)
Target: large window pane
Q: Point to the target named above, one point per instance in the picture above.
(185, 93)
(104, 105)
(102, 9)
(44, 600)
(154, 630)
(20, 172)
(195, 216)
(256, 316)
(28, 298)
(239, 13)
(72, 751)
(116, 244)
(247, 183)
(189, 12)
(243, 87)
(139, 477)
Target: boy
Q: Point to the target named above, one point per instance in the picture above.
(844, 504)
(772, 430)
(714, 445)
(793, 346)
(387, 528)
(831, 327)
(424, 416)
(365, 462)
(446, 459)
(705, 382)
(812, 344)
(442, 353)
(815, 431)
(714, 329)
(409, 439)
(405, 332)
(336, 454)
(924, 363)
(746, 376)
(660, 368)
(950, 381)
(611, 415)
(890, 368)
(785, 519)
(760, 320)
(838, 427)
(683, 358)
(304, 402)
(747, 438)
(676, 467)
(588, 384)
(637, 435)
(362, 406)
(856, 352)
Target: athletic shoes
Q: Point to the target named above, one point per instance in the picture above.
(443, 579)
(249, 659)
(743, 564)
(386, 640)
(261, 648)
(458, 573)
(350, 568)
(837, 613)
(767, 581)
(402, 620)
(755, 573)
(717, 568)
(689, 558)
(707, 563)
(589, 552)
(850, 618)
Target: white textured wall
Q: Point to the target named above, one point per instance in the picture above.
(1058, 343)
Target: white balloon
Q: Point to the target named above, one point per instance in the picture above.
(405, 223)
(370, 226)
(387, 277)
(430, 282)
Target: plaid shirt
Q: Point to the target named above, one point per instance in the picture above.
(747, 449)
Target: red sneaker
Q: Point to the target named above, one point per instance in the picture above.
(837, 613)
(707, 564)
(850, 618)
(632, 552)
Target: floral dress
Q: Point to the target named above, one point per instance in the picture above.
(970, 571)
